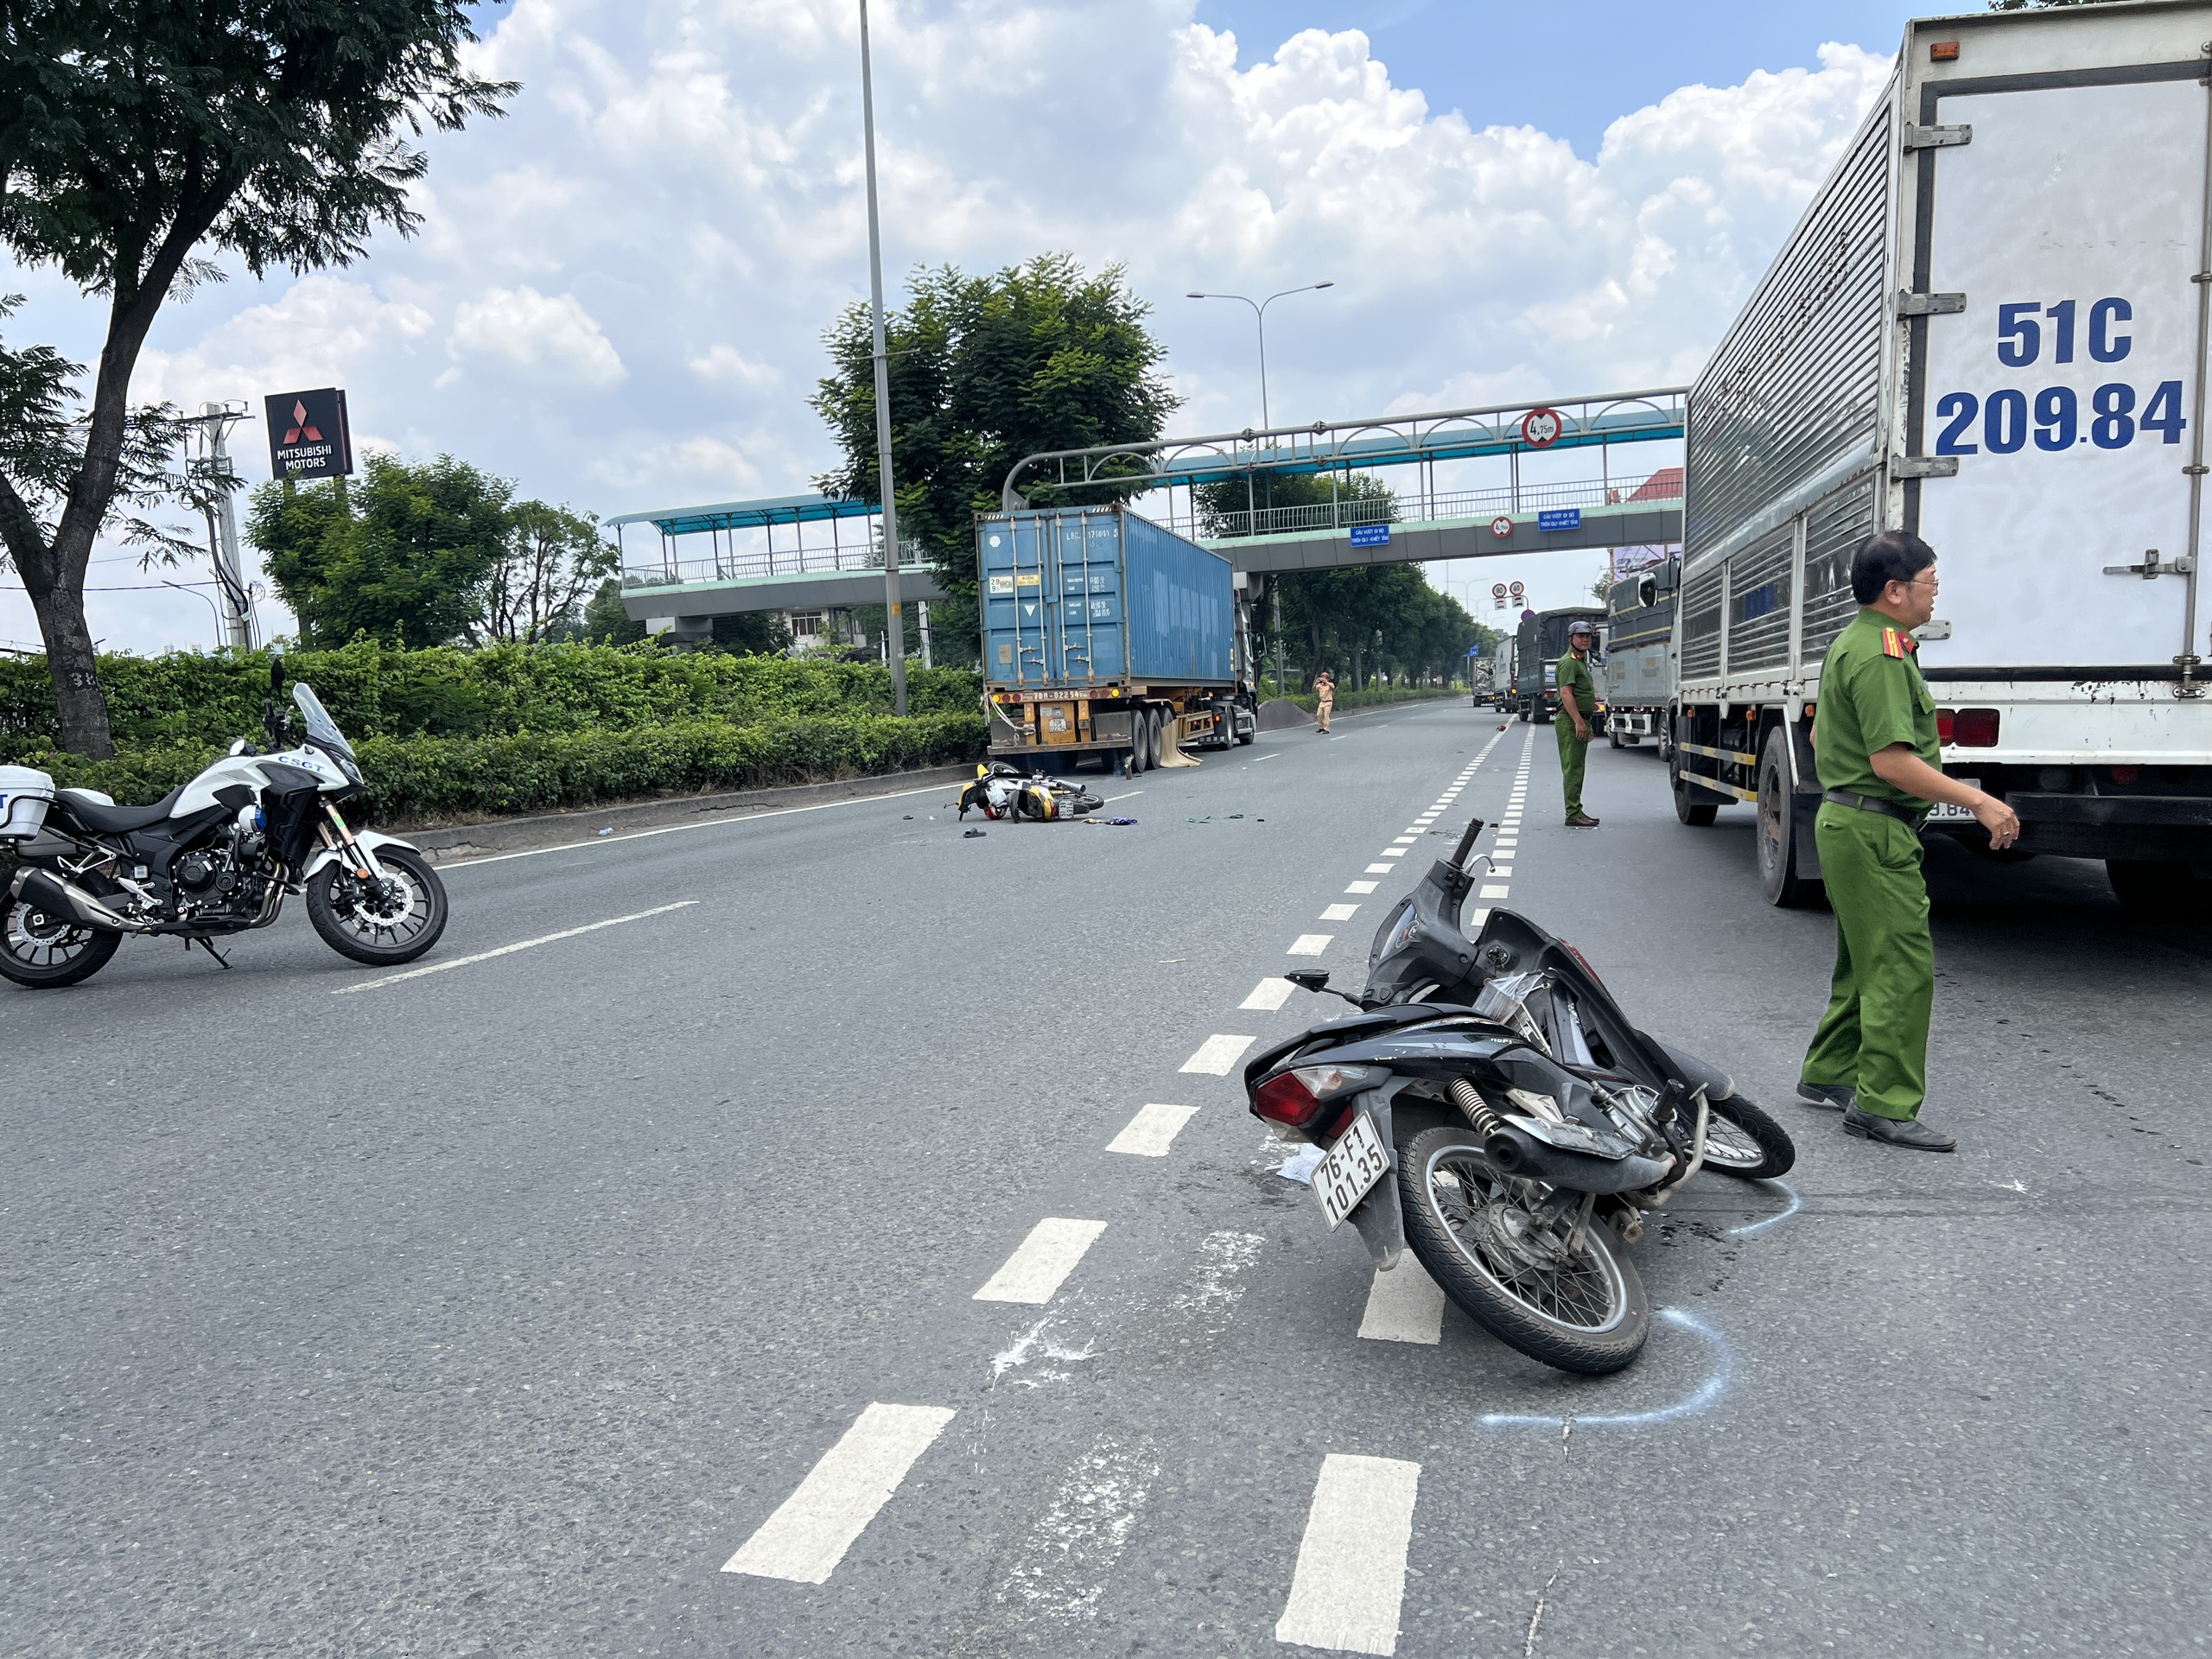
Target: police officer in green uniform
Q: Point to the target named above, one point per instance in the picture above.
(1874, 743)
(1578, 705)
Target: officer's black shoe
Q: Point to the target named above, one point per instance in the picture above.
(1831, 1096)
(1897, 1131)
(1582, 821)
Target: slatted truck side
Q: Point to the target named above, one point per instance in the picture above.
(1988, 327)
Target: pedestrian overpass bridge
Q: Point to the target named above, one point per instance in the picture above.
(757, 556)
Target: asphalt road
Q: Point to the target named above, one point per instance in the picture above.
(494, 1311)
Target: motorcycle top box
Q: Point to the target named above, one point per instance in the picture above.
(25, 797)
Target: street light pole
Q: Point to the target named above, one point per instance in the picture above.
(1260, 317)
(895, 618)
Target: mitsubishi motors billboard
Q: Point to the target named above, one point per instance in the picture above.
(308, 434)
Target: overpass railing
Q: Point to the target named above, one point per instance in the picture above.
(736, 563)
(1422, 506)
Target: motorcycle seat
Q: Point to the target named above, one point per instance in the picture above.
(118, 820)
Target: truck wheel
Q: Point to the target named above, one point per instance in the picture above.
(1777, 840)
(1691, 806)
(1614, 735)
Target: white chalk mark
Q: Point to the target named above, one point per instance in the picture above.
(1702, 1398)
(1309, 945)
(1269, 994)
(1217, 1053)
(1152, 1131)
(805, 1538)
(509, 950)
(1042, 1262)
(1073, 1550)
(1795, 1204)
(1351, 1577)
(1404, 1304)
(1031, 1344)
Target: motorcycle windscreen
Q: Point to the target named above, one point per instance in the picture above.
(2071, 224)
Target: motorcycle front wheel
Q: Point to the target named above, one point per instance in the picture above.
(380, 922)
(1741, 1140)
(1567, 1297)
(45, 952)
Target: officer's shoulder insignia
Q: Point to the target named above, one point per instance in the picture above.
(1895, 644)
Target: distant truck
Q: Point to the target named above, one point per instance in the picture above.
(1106, 635)
(1990, 328)
(1537, 649)
(1640, 653)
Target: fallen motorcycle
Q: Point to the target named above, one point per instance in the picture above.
(216, 856)
(1001, 790)
(1492, 1108)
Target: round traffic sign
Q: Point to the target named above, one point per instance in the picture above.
(1500, 526)
(1542, 428)
(1517, 589)
(1528, 616)
(1497, 590)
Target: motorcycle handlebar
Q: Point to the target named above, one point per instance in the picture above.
(1467, 841)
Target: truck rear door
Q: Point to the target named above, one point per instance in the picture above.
(2071, 220)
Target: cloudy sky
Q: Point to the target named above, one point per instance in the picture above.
(619, 290)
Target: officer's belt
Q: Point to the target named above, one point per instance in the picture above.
(1868, 803)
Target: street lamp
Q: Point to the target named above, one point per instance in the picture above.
(1259, 314)
(894, 621)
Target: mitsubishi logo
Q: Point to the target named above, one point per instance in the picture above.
(300, 428)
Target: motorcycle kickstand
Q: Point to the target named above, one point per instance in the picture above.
(208, 945)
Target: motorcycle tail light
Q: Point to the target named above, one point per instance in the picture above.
(1285, 1099)
(1975, 728)
(1585, 961)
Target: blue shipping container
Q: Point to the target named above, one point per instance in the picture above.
(1079, 595)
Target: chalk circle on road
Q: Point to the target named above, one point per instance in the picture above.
(1501, 527)
(1542, 428)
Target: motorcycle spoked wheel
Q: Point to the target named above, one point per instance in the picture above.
(1741, 1141)
(380, 927)
(45, 952)
(1582, 1311)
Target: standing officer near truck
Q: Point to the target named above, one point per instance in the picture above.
(1577, 706)
(1874, 744)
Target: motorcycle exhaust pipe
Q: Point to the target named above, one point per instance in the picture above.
(60, 898)
(1518, 1153)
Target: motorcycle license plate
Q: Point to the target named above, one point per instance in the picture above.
(1352, 1167)
(1944, 812)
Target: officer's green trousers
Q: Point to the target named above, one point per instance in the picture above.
(1573, 752)
(1874, 1036)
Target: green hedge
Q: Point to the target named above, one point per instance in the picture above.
(182, 700)
(416, 778)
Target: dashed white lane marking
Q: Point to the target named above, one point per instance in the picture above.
(1362, 886)
(1391, 852)
(806, 1539)
(1378, 869)
(1404, 1304)
(1309, 945)
(1339, 913)
(1351, 1563)
(1217, 1053)
(509, 950)
(1269, 994)
(1501, 869)
(1152, 1131)
(1404, 841)
(1476, 919)
(1126, 794)
(1041, 1261)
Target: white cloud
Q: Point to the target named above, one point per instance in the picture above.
(725, 365)
(315, 333)
(547, 339)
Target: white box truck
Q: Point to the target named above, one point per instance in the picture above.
(1989, 328)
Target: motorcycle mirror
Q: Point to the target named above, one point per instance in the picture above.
(1309, 979)
(277, 673)
(239, 747)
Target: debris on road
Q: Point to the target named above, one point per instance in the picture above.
(973, 834)
(1300, 1164)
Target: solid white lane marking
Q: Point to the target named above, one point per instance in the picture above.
(1269, 994)
(1379, 869)
(509, 950)
(1339, 913)
(1351, 1563)
(1152, 1131)
(1309, 945)
(679, 829)
(1124, 795)
(1404, 1304)
(1493, 891)
(1217, 1053)
(1256, 759)
(1362, 886)
(1041, 1261)
(806, 1539)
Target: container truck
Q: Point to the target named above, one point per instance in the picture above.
(1989, 329)
(1537, 649)
(1106, 635)
(1640, 653)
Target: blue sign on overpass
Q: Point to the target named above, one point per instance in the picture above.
(1559, 518)
(1370, 535)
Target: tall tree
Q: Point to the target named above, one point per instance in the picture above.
(551, 559)
(135, 135)
(985, 369)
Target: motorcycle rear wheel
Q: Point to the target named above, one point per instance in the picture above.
(1741, 1140)
(44, 953)
(1586, 1312)
(382, 930)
